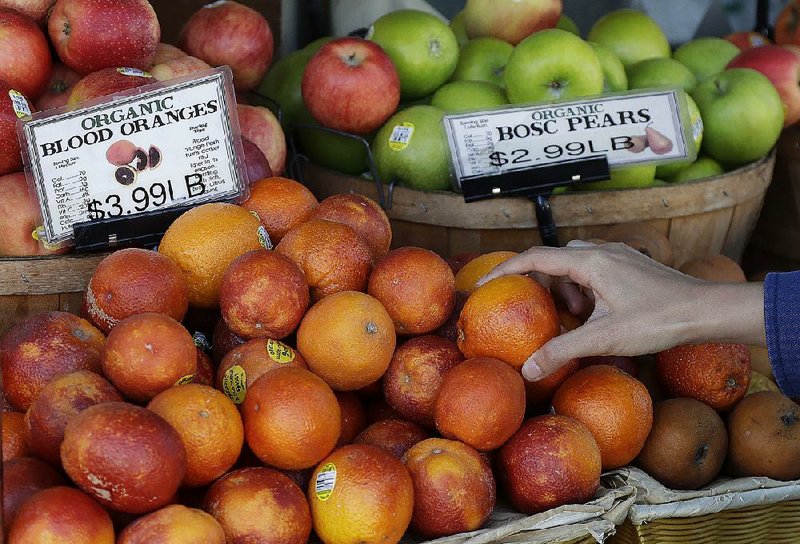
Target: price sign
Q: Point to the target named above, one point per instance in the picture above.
(160, 147)
(626, 129)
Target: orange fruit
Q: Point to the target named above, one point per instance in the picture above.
(332, 256)
(173, 524)
(480, 402)
(14, 440)
(204, 241)
(552, 460)
(347, 339)
(716, 374)
(244, 364)
(507, 318)
(61, 514)
(615, 407)
(394, 435)
(148, 353)
(377, 409)
(259, 504)
(415, 373)
(63, 397)
(454, 489)
(449, 329)
(459, 260)
(210, 428)
(125, 457)
(540, 392)
(361, 493)
(291, 418)
(628, 364)
(22, 477)
(363, 215)
(135, 281)
(415, 286)
(281, 204)
(205, 369)
(714, 268)
(354, 419)
(468, 275)
(42, 346)
(263, 294)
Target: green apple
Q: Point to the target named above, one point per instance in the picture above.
(704, 167)
(458, 96)
(666, 171)
(342, 153)
(706, 57)
(423, 49)
(566, 23)
(483, 59)
(552, 65)
(411, 149)
(632, 35)
(623, 177)
(655, 73)
(314, 46)
(742, 115)
(282, 84)
(458, 28)
(614, 77)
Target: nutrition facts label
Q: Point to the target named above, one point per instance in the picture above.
(167, 146)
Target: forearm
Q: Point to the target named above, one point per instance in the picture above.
(727, 312)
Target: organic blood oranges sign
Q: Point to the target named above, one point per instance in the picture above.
(626, 129)
(157, 147)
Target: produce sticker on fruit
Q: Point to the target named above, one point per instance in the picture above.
(630, 128)
(158, 147)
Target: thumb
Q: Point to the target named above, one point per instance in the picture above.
(586, 340)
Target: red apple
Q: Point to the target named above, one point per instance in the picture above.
(260, 126)
(25, 62)
(226, 32)
(782, 68)
(170, 69)
(90, 36)
(165, 52)
(255, 163)
(510, 20)
(105, 82)
(747, 39)
(19, 217)
(350, 84)
(58, 88)
(10, 158)
(35, 9)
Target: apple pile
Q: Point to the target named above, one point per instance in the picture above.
(394, 86)
(88, 64)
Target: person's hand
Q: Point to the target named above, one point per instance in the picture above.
(640, 305)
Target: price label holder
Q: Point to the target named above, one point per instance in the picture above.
(118, 170)
(531, 150)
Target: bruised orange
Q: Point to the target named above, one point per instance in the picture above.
(291, 418)
(363, 215)
(616, 408)
(210, 428)
(361, 493)
(469, 274)
(204, 241)
(416, 287)
(347, 339)
(263, 294)
(331, 255)
(507, 318)
(281, 204)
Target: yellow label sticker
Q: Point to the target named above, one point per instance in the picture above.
(325, 482)
(263, 238)
(401, 136)
(189, 378)
(234, 384)
(20, 104)
(279, 352)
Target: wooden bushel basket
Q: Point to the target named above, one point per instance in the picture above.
(714, 215)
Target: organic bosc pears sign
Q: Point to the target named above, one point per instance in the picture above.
(157, 147)
(626, 129)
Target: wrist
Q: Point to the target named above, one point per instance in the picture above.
(728, 313)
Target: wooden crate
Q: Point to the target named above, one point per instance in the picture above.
(715, 215)
(29, 285)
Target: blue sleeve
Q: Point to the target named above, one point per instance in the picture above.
(782, 320)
